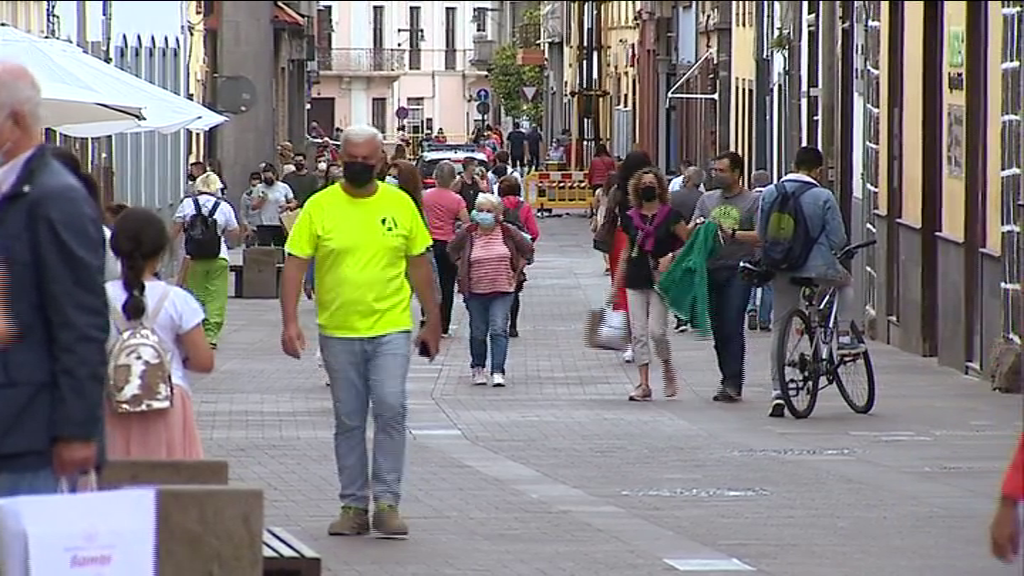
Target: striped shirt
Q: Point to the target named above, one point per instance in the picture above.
(490, 264)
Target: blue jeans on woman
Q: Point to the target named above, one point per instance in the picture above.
(488, 317)
(764, 311)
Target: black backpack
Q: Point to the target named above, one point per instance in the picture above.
(787, 237)
(202, 238)
(500, 171)
(514, 218)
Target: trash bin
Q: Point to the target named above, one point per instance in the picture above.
(260, 272)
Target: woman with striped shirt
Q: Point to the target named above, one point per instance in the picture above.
(489, 256)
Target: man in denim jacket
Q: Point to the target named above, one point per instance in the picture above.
(825, 222)
(53, 360)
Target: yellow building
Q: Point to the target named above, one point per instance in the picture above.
(743, 74)
(943, 190)
(28, 16)
(197, 72)
(620, 34)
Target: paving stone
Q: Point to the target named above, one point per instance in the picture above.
(558, 474)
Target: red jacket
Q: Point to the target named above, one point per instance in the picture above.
(1013, 484)
(600, 168)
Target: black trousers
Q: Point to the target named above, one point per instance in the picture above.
(270, 235)
(518, 161)
(446, 273)
(513, 314)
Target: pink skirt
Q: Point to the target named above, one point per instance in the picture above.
(162, 435)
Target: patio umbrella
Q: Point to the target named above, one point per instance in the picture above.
(164, 111)
(69, 98)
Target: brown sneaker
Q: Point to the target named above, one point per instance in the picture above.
(352, 521)
(388, 522)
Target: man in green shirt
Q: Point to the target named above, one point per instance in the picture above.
(302, 182)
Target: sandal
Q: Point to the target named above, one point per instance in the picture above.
(671, 387)
(641, 393)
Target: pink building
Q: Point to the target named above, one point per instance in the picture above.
(427, 57)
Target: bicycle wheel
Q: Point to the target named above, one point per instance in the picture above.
(860, 399)
(800, 392)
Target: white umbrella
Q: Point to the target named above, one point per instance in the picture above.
(164, 111)
(68, 98)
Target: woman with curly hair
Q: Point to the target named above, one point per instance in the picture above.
(655, 230)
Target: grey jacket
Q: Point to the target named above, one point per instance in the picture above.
(823, 215)
(52, 379)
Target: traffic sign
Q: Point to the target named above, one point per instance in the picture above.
(402, 113)
(529, 92)
(483, 95)
(483, 108)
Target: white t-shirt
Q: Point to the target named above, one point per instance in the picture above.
(277, 194)
(676, 184)
(111, 266)
(225, 216)
(180, 313)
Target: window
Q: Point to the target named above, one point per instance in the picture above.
(480, 19)
(379, 114)
(1012, 168)
(414, 123)
(378, 28)
(872, 138)
(415, 55)
(450, 17)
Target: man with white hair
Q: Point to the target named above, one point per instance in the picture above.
(368, 242)
(51, 240)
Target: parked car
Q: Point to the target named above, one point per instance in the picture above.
(428, 161)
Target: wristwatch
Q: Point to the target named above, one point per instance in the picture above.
(732, 235)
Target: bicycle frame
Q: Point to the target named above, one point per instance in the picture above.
(824, 332)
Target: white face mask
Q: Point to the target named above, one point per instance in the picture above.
(391, 180)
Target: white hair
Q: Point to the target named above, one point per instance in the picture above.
(360, 133)
(487, 200)
(20, 92)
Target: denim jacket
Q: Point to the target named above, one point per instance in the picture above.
(823, 214)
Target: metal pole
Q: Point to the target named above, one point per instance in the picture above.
(107, 9)
(81, 15)
(793, 63)
(828, 117)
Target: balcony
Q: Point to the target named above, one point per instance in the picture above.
(361, 61)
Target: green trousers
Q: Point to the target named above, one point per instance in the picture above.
(207, 280)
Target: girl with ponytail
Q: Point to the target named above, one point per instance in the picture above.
(139, 239)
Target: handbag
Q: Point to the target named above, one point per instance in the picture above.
(606, 329)
(108, 533)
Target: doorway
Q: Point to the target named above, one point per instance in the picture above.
(932, 177)
(321, 111)
(975, 197)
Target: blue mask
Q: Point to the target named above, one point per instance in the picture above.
(485, 219)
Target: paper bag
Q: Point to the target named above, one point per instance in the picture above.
(109, 533)
(606, 329)
(288, 218)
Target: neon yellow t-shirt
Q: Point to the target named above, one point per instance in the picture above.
(360, 246)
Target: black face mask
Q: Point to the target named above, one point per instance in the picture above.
(192, 177)
(268, 180)
(649, 193)
(359, 174)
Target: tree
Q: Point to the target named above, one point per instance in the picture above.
(508, 79)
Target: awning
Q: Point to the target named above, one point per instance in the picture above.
(690, 74)
(285, 15)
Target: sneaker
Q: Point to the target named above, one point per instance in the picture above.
(479, 377)
(353, 521)
(778, 408)
(388, 522)
(726, 394)
(627, 356)
(765, 327)
(498, 380)
(752, 320)
(681, 326)
(847, 346)
(513, 333)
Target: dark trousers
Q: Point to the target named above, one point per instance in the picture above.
(270, 235)
(446, 273)
(534, 162)
(518, 160)
(513, 315)
(728, 298)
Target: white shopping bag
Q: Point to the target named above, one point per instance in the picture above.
(607, 330)
(111, 533)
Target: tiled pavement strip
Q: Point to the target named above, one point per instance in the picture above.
(558, 475)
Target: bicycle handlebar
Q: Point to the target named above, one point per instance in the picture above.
(852, 249)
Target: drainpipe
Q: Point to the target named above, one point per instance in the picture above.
(762, 90)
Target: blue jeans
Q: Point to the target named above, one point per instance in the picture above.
(365, 371)
(729, 294)
(310, 276)
(488, 316)
(764, 311)
(26, 483)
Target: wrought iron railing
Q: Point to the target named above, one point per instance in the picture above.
(362, 59)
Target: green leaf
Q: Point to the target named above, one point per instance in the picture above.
(508, 78)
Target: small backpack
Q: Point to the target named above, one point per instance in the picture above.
(514, 218)
(202, 237)
(138, 365)
(787, 237)
(500, 171)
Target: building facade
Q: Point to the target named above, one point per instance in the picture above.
(25, 15)
(418, 56)
(620, 27)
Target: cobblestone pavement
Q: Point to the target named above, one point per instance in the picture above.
(558, 475)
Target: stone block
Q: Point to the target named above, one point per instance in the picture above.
(119, 473)
(209, 530)
(260, 272)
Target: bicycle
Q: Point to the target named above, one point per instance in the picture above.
(816, 319)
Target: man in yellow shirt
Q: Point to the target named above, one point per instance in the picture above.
(369, 243)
